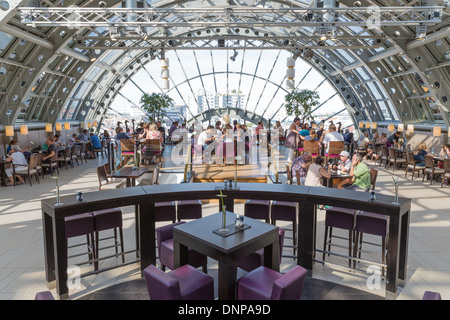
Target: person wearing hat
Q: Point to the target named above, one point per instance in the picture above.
(344, 165)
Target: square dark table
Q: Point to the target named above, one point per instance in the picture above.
(130, 174)
(199, 236)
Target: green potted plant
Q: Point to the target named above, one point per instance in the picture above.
(155, 104)
(301, 103)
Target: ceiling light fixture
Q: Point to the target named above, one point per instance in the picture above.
(323, 33)
(421, 31)
(114, 33)
(308, 54)
(233, 57)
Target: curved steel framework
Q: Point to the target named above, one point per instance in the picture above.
(395, 70)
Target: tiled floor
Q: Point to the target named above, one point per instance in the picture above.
(22, 260)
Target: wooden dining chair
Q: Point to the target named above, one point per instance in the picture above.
(66, 157)
(31, 171)
(394, 159)
(126, 149)
(52, 164)
(73, 155)
(446, 175)
(411, 165)
(431, 169)
(334, 149)
(289, 175)
(153, 148)
(312, 147)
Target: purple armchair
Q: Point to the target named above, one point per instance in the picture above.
(256, 259)
(164, 237)
(44, 295)
(430, 295)
(183, 283)
(266, 284)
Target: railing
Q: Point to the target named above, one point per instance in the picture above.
(144, 198)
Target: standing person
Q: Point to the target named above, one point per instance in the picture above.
(291, 138)
(360, 173)
(320, 131)
(316, 173)
(392, 141)
(301, 164)
(17, 158)
(258, 128)
(162, 130)
(332, 135)
(172, 128)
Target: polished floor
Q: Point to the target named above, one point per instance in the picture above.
(22, 260)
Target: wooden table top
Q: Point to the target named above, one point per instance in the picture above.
(202, 230)
(129, 172)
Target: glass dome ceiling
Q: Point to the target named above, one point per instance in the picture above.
(373, 74)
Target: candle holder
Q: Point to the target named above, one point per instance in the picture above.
(58, 201)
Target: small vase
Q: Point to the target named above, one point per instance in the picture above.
(224, 220)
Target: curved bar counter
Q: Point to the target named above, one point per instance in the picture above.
(144, 198)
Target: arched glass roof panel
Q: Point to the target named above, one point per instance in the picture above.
(209, 79)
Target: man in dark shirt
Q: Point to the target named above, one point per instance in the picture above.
(161, 129)
(122, 134)
(393, 140)
(51, 150)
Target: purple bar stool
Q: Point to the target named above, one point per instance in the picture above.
(44, 295)
(79, 225)
(341, 218)
(165, 211)
(165, 249)
(257, 209)
(286, 211)
(256, 259)
(189, 209)
(374, 224)
(266, 284)
(430, 295)
(183, 283)
(108, 219)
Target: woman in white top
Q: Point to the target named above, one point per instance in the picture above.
(315, 173)
(18, 159)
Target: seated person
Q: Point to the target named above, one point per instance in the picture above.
(122, 134)
(50, 152)
(73, 139)
(57, 141)
(301, 164)
(316, 173)
(363, 142)
(83, 137)
(13, 143)
(360, 173)
(420, 153)
(344, 165)
(95, 144)
(17, 158)
(445, 152)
